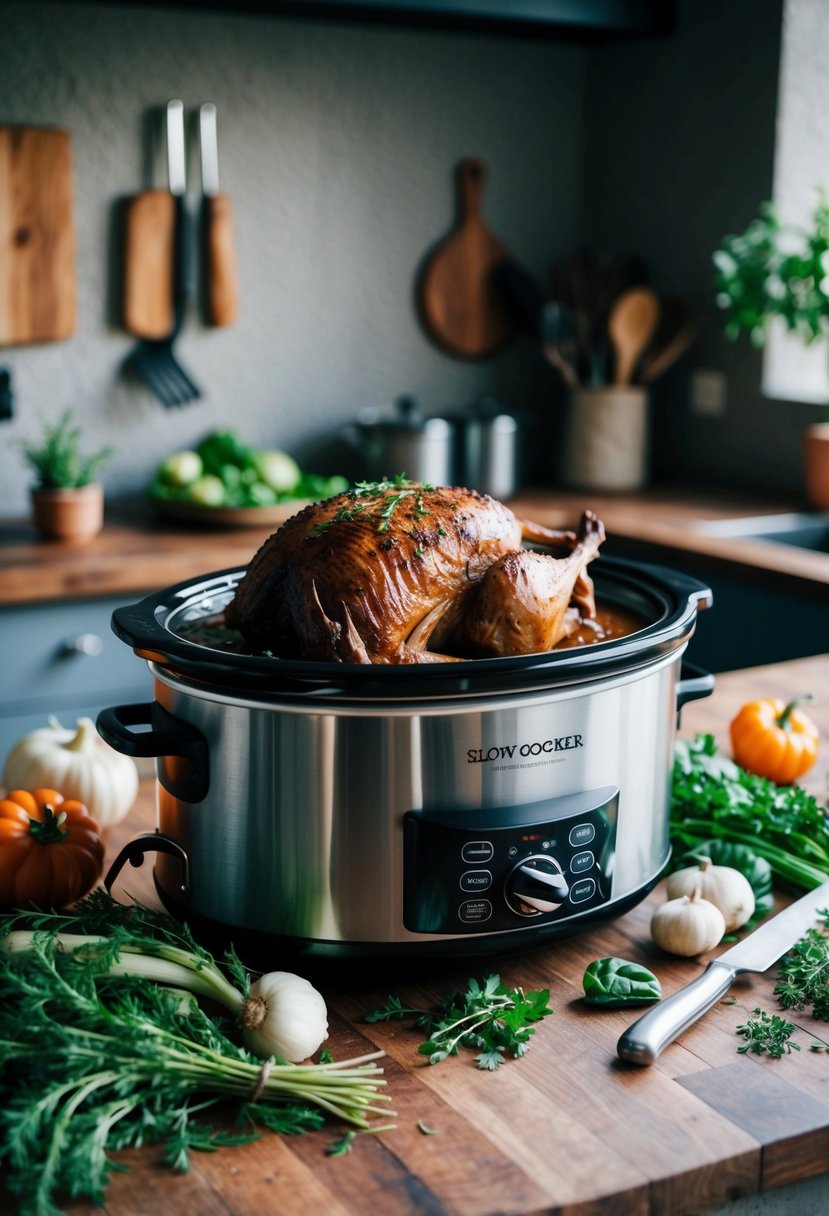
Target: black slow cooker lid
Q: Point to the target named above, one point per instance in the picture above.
(161, 629)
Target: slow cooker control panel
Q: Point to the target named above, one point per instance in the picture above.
(503, 868)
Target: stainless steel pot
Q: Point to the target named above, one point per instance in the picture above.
(406, 441)
(446, 808)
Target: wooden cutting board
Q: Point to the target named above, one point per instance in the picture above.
(460, 304)
(37, 237)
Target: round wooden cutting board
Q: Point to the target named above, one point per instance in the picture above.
(458, 298)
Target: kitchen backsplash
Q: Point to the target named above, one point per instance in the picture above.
(338, 143)
(337, 146)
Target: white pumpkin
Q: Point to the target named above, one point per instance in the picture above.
(77, 763)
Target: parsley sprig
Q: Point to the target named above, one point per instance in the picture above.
(488, 1017)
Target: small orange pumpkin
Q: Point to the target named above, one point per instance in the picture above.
(51, 852)
(773, 739)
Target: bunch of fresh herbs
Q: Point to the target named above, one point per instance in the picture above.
(713, 798)
(92, 1062)
(489, 1017)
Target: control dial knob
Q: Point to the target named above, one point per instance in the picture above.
(536, 885)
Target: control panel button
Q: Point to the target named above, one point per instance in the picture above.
(473, 911)
(581, 834)
(477, 851)
(476, 880)
(581, 862)
(582, 890)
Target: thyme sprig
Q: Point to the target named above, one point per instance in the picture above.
(803, 975)
(391, 494)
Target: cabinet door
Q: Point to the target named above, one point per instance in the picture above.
(63, 660)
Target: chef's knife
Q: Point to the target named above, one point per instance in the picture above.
(221, 293)
(642, 1042)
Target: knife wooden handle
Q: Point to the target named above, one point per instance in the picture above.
(149, 235)
(642, 1042)
(221, 297)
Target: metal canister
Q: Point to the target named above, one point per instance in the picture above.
(406, 441)
(491, 450)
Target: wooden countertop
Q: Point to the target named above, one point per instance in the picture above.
(137, 552)
(568, 1130)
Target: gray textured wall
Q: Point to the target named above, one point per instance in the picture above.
(338, 143)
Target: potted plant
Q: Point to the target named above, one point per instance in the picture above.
(775, 271)
(67, 504)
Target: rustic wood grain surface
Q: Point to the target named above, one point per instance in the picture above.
(568, 1130)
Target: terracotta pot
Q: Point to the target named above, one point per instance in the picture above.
(816, 464)
(76, 514)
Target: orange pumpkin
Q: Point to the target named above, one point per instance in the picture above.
(51, 852)
(774, 739)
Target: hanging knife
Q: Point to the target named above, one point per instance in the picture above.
(644, 1040)
(221, 290)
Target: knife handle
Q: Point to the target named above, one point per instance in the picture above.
(221, 295)
(642, 1042)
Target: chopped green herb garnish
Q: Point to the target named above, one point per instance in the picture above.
(489, 1018)
(767, 1033)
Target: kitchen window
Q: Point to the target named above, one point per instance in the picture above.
(792, 371)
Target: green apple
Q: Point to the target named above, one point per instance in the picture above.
(181, 469)
(277, 469)
(208, 491)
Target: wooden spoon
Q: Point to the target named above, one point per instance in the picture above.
(631, 326)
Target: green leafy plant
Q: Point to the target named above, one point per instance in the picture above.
(613, 983)
(489, 1018)
(776, 270)
(712, 797)
(57, 461)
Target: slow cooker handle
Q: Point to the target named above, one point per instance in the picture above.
(179, 746)
(693, 684)
(149, 842)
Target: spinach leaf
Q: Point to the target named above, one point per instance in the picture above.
(613, 983)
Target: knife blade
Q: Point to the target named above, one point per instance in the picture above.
(644, 1040)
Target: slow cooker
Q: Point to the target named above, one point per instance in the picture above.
(445, 808)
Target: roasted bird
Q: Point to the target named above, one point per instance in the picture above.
(398, 572)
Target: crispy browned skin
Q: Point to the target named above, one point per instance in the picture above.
(524, 602)
(366, 576)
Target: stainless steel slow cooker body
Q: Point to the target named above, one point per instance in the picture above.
(446, 808)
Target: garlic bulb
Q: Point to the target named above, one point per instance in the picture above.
(77, 763)
(283, 1016)
(687, 926)
(723, 886)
